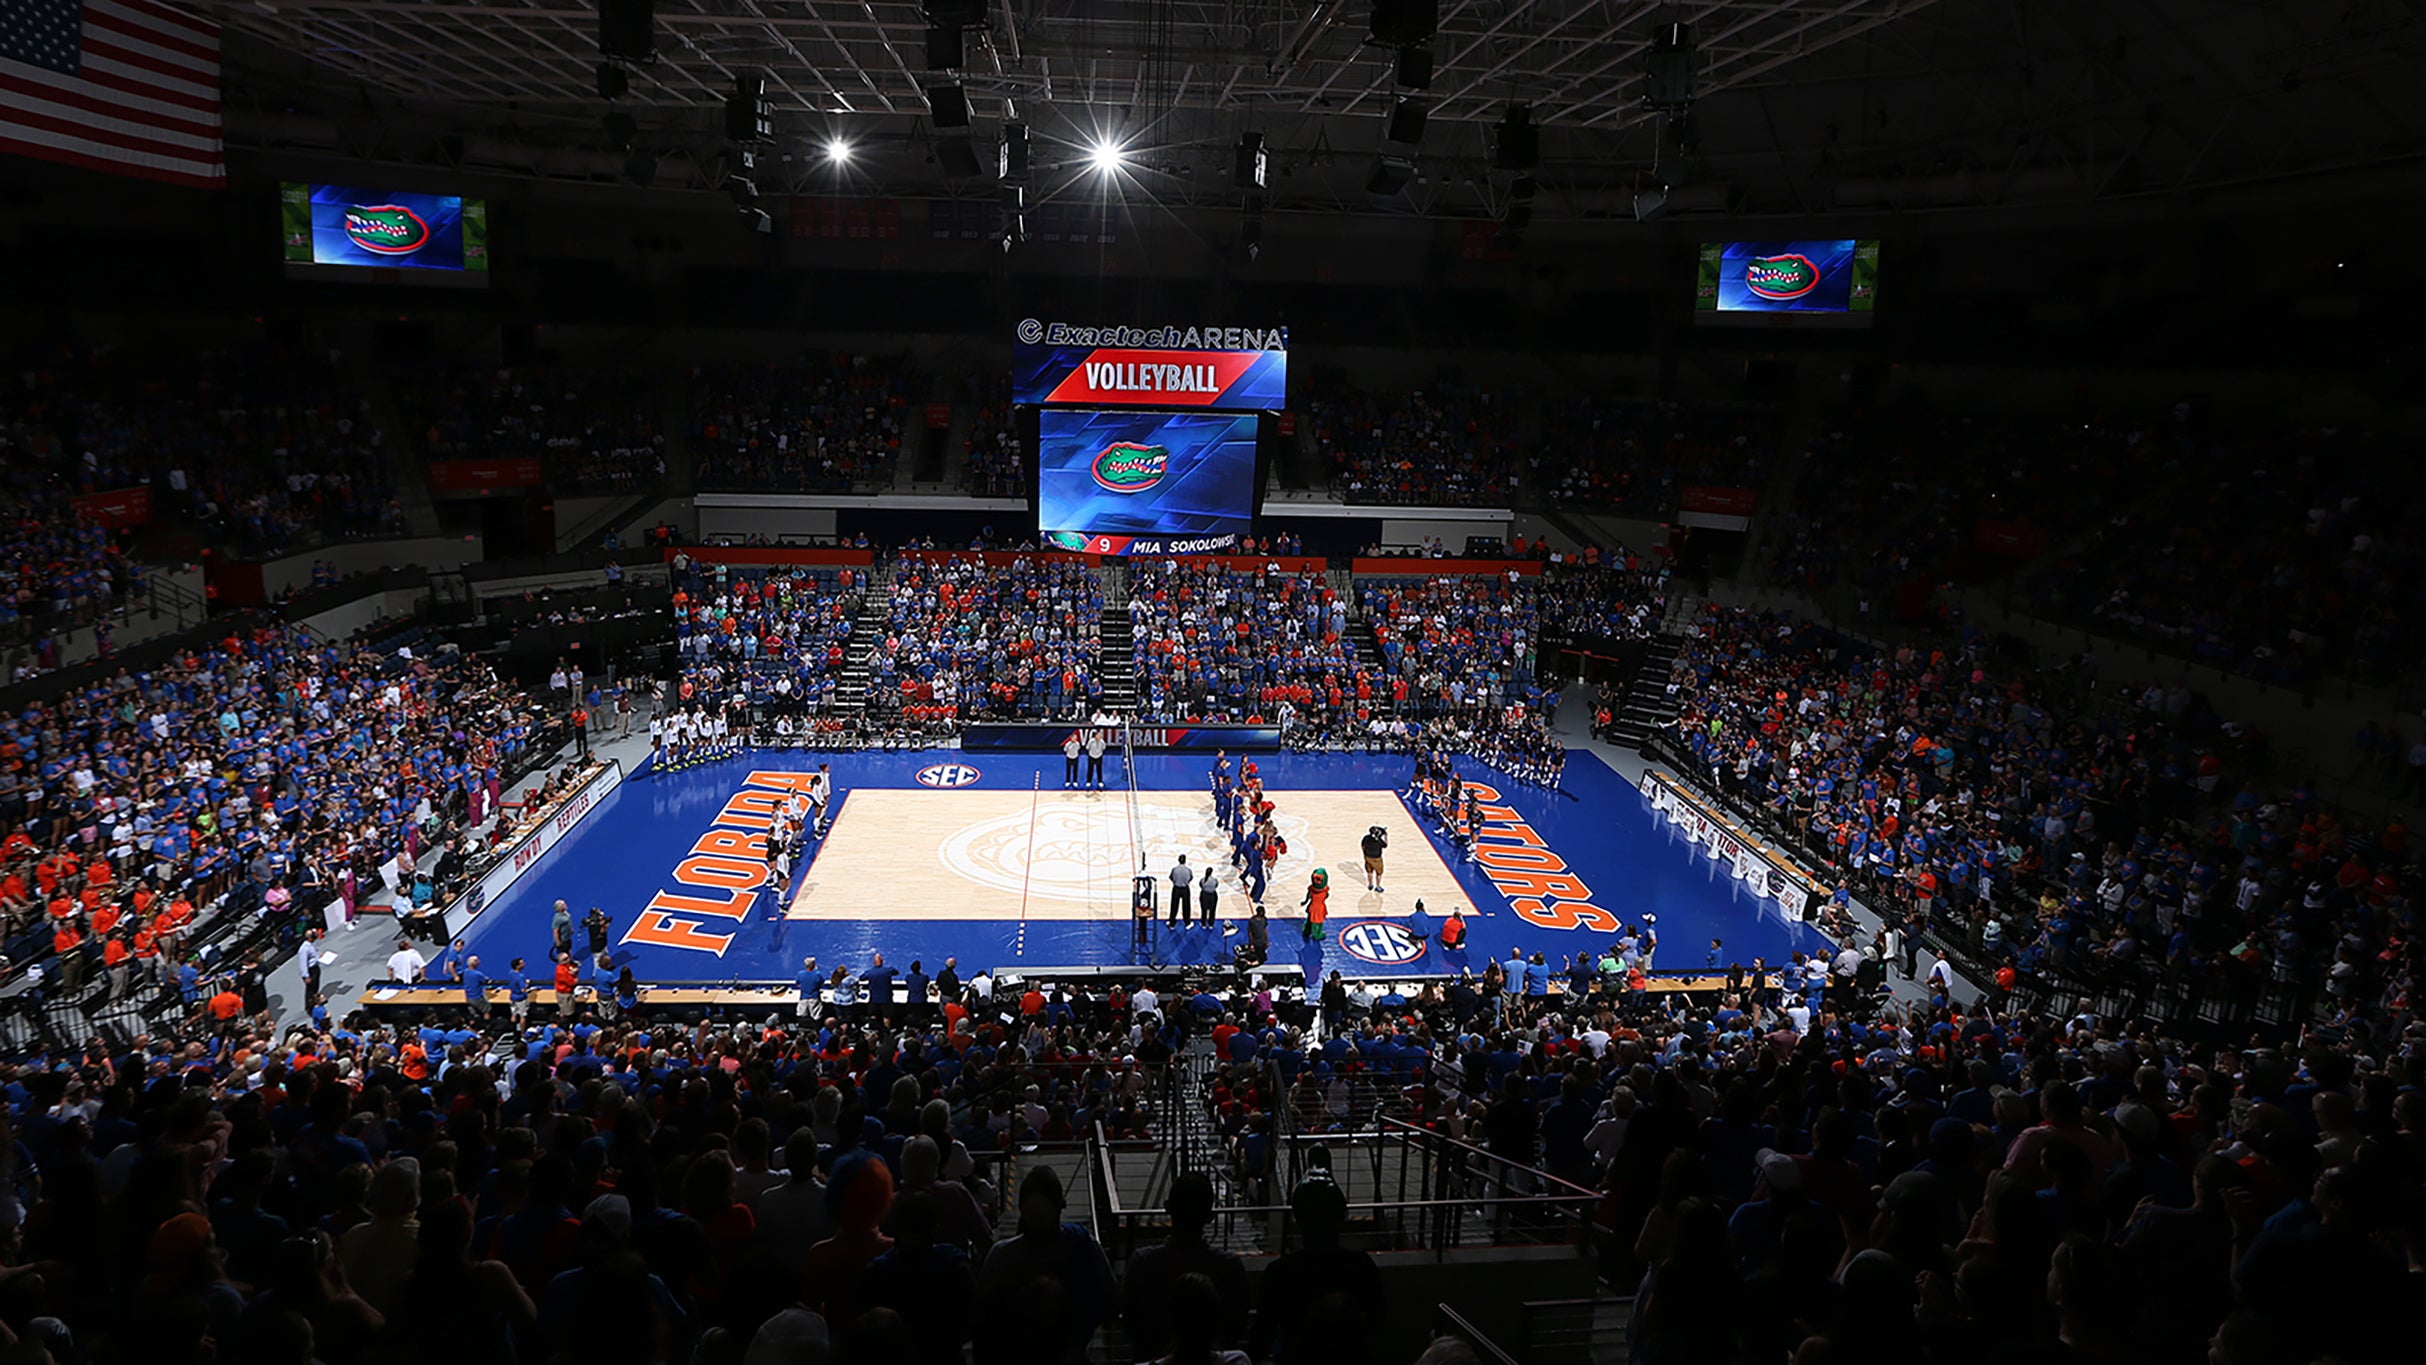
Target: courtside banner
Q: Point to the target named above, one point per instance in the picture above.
(1762, 869)
(533, 846)
(1146, 738)
(1236, 368)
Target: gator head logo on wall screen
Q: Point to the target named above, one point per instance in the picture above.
(1128, 467)
(1781, 277)
(387, 229)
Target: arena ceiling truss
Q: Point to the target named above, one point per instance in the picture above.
(1800, 106)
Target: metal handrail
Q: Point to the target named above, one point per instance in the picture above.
(1455, 1325)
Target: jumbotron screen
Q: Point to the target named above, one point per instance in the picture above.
(1145, 482)
(1788, 277)
(346, 225)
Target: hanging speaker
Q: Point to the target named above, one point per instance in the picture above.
(1518, 146)
(627, 30)
(1399, 22)
(1013, 163)
(1389, 176)
(958, 157)
(1415, 67)
(1406, 121)
(948, 105)
(945, 48)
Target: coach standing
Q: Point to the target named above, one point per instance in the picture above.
(1181, 875)
(1069, 761)
(1095, 748)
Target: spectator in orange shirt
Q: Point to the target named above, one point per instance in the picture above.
(113, 962)
(70, 946)
(226, 1005)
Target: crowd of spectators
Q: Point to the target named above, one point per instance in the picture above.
(1793, 1169)
(1271, 645)
(1621, 597)
(826, 1188)
(967, 639)
(997, 463)
(2288, 556)
(816, 427)
(1892, 498)
(267, 771)
(262, 449)
(56, 567)
(1635, 456)
(1454, 641)
(777, 636)
(2057, 836)
(1422, 446)
(593, 430)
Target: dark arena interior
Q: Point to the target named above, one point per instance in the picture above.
(1276, 682)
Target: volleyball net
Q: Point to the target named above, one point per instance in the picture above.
(1137, 819)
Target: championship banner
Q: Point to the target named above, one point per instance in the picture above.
(1043, 738)
(476, 478)
(1764, 871)
(1718, 499)
(1240, 368)
(2012, 539)
(116, 510)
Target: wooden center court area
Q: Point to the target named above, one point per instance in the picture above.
(1055, 855)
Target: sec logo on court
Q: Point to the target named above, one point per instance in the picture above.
(946, 775)
(1383, 945)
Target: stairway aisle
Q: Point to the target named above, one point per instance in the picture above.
(875, 609)
(1645, 705)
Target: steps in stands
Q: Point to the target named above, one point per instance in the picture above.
(1644, 705)
(1116, 656)
(851, 687)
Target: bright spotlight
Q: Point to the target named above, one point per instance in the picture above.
(1105, 157)
(838, 151)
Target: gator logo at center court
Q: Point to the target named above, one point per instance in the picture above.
(1127, 467)
(386, 229)
(1781, 277)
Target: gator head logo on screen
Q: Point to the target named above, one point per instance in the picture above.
(386, 229)
(1781, 277)
(1127, 467)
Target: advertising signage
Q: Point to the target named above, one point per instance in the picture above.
(1233, 368)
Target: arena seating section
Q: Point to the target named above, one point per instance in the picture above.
(2045, 1167)
(997, 465)
(811, 427)
(1636, 457)
(1215, 642)
(776, 636)
(595, 430)
(262, 450)
(965, 639)
(1420, 446)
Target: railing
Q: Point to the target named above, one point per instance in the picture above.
(1448, 1322)
(1407, 1189)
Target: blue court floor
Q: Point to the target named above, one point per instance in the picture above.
(1611, 860)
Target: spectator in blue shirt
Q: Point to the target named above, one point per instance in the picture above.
(808, 981)
(878, 981)
(475, 987)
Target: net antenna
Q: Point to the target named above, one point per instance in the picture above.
(1128, 770)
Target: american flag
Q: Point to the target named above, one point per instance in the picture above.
(129, 86)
